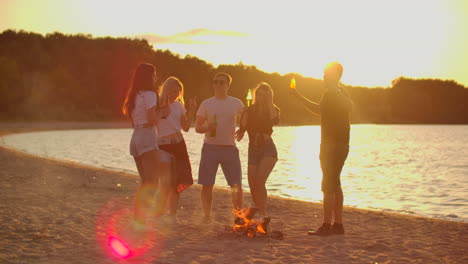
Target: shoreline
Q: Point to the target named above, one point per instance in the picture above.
(52, 212)
(25, 127)
(384, 211)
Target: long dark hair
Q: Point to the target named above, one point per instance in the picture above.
(142, 81)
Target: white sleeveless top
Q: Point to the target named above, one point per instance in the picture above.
(144, 100)
(171, 124)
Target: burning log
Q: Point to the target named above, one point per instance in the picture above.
(263, 225)
(244, 223)
(244, 216)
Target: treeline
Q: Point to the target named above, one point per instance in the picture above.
(81, 78)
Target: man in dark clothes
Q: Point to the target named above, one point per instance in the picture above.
(334, 110)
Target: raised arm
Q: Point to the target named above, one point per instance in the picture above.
(312, 107)
(186, 121)
(201, 125)
(187, 118)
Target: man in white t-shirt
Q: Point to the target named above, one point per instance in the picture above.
(216, 118)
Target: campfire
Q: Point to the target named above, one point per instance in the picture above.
(244, 222)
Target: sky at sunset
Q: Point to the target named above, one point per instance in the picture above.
(375, 40)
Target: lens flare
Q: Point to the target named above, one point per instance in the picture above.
(119, 247)
(121, 240)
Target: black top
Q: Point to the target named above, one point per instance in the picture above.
(259, 123)
(334, 112)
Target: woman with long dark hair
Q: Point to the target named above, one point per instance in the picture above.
(140, 106)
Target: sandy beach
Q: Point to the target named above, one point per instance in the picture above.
(61, 212)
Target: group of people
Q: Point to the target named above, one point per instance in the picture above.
(158, 116)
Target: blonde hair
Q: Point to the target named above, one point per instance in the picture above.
(171, 83)
(262, 86)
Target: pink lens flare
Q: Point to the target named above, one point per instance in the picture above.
(119, 247)
(118, 239)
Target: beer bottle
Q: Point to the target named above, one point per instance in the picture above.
(213, 132)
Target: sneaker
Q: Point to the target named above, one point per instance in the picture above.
(324, 230)
(337, 229)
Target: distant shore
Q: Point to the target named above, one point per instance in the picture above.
(18, 127)
(54, 212)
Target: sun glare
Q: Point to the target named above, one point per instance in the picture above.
(376, 41)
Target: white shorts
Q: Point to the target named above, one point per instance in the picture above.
(165, 156)
(143, 140)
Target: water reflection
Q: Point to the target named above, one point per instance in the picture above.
(420, 169)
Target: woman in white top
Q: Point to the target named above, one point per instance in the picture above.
(140, 105)
(175, 168)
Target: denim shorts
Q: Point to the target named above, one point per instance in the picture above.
(214, 155)
(143, 140)
(257, 153)
(332, 159)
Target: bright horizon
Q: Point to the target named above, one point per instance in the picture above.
(376, 41)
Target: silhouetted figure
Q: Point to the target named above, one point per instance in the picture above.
(216, 117)
(334, 110)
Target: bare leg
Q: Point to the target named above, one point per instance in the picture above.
(165, 181)
(173, 200)
(338, 206)
(328, 201)
(237, 196)
(263, 172)
(147, 165)
(207, 199)
(139, 210)
(252, 175)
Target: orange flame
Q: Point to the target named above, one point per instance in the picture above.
(292, 85)
(249, 97)
(247, 225)
(261, 228)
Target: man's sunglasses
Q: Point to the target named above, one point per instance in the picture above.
(220, 82)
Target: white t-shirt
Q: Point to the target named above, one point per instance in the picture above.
(226, 111)
(144, 100)
(171, 124)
